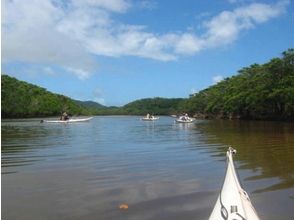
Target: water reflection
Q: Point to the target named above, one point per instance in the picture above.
(19, 141)
(81, 171)
(26, 142)
(184, 126)
(264, 147)
(163, 170)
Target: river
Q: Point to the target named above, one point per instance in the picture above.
(161, 170)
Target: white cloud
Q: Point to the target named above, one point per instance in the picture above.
(225, 27)
(29, 34)
(80, 73)
(217, 79)
(260, 13)
(119, 6)
(188, 44)
(69, 33)
(121, 40)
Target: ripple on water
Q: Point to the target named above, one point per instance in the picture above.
(162, 170)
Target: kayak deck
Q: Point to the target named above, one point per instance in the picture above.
(69, 121)
(150, 119)
(233, 202)
(184, 119)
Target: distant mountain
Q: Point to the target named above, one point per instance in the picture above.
(90, 104)
(156, 106)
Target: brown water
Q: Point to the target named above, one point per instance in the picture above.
(162, 170)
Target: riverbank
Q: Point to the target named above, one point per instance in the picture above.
(239, 117)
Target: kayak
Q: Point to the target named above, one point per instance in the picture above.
(71, 120)
(233, 202)
(150, 119)
(184, 119)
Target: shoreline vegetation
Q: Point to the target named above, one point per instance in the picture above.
(258, 92)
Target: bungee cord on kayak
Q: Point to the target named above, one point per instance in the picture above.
(232, 197)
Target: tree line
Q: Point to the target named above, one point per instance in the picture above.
(264, 92)
(22, 100)
(260, 91)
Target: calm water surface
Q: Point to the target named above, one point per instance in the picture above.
(162, 170)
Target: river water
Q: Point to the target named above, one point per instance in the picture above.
(161, 170)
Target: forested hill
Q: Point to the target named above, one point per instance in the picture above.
(90, 104)
(158, 106)
(20, 99)
(257, 92)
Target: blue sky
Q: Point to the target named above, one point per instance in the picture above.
(118, 51)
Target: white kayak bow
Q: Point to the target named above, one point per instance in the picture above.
(233, 202)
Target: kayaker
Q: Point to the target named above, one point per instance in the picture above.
(64, 116)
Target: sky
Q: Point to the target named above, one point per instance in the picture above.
(117, 51)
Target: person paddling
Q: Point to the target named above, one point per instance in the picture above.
(64, 116)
